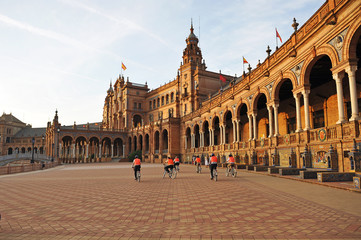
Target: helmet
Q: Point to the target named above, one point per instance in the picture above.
(230, 155)
(136, 156)
(212, 154)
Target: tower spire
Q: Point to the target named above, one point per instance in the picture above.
(192, 25)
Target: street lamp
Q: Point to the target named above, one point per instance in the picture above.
(57, 145)
(32, 155)
(42, 137)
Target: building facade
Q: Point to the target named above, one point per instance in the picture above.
(298, 108)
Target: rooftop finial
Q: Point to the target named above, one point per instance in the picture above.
(192, 25)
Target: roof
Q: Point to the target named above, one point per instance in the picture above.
(10, 118)
(92, 126)
(31, 132)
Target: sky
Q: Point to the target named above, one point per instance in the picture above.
(63, 54)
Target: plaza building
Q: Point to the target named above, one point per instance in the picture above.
(298, 108)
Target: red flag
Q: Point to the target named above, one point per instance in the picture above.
(123, 66)
(223, 79)
(244, 61)
(278, 35)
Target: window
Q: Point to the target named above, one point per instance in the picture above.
(135, 105)
(318, 119)
(150, 105)
(162, 100)
(167, 99)
(185, 92)
(172, 97)
(154, 103)
(7, 139)
(158, 102)
(291, 125)
(139, 105)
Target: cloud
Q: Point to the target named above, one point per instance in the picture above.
(124, 22)
(52, 35)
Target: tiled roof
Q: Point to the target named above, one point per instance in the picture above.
(10, 118)
(31, 132)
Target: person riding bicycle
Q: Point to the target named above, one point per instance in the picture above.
(198, 162)
(176, 161)
(213, 164)
(136, 166)
(168, 164)
(231, 162)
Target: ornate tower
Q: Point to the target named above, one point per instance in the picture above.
(192, 53)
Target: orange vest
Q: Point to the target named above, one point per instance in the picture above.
(137, 162)
(170, 161)
(213, 159)
(198, 160)
(176, 160)
(231, 160)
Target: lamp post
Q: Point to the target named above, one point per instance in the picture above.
(57, 145)
(42, 137)
(32, 154)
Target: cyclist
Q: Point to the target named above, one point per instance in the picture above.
(198, 162)
(231, 162)
(136, 166)
(168, 164)
(213, 164)
(176, 162)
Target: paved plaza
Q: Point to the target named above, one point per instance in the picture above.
(102, 201)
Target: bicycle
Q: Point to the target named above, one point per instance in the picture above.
(172, 173)
(138, 175)
(199, 168)
(231, 171)
(176, 168)
(215, 174)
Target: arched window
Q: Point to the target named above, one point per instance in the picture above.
(162, 100)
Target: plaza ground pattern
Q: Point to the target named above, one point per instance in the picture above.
(102, 201)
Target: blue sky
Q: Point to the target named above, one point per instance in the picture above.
(62, 54)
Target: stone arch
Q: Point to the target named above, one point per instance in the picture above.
(205, 129)
(156, 141)
(256, 97)
(311, 60)
(165, 138)
(278, 83)
(196, 132)
(225, 113)
(188, 137)
(350, 40)
(137, 120)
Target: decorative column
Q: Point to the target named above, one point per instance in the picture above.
(123, 151)
(201, 139)
(339, 89)
(73, 150)
(234, 131)
(298, 112)
(112, 154)
(185, 142)
(351, 71)
(210, 137)
(307, 109)
(237, 130)
(250, 126)
(100, 150)
(224, 134)
(270, 120)
(254, 126)
(87, 150)
(192, 140)
(275, 109)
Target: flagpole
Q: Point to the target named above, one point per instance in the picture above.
(276, 39)
(243, 64)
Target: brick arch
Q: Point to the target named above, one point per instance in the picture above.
(239, 106)
(213, 119)
(351, 38)
(278, 83)
(264, 91)
(225, 114)
(194, 127)
(312, 59)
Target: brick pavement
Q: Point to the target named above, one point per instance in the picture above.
(102, 201)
